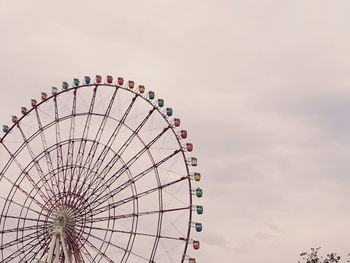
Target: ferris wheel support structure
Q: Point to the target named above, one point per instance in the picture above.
(58, 242)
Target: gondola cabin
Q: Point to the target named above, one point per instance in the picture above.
(87, 80)
(194, 161)
(183, 134)
(44, 96)
(192, 260)
(177, 122)
(120, 81)
(65, 85)
(131, 84)
(199, 192)
(199, 227)
(196, 244)
(34, 103)
(169, 112)
(24, 110)
(141, 88)
(199, 209)
(151, 95)
(76, 82)
(197, 177)
(54, 90)
(109, 79)
(14, 119)
(5, 128)
(189, 147)
(98, 79)
(160, 102)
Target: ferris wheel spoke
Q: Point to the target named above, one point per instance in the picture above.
(136, 233)
(44, 143)
(96, 141)
(108, 218)
(103, 124)
(125, 167)
(110, 140)
(20, 240)
(70, 153)
(167, 253)
(57, 124)
(28, 195)
(58, 141)
(86, 253)
(24, 218)
(36, 163)
(172, 225)
(98, 251)
(22, 229)
(29, 247)
(115, 191)
(42, 249)
(77, 254)
(93, 149)
(83, 141)
(119, 247)
(33, 256)
(29, 178)
(19, 205)
(107, 147)
(131, 198)
(135, 132)
(117, 156)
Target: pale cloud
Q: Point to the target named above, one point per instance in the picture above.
(262, 86)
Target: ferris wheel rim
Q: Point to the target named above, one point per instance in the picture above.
(69, 116)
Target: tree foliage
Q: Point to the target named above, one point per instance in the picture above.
(314, 257)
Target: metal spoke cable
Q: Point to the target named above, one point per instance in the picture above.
(111, 138)
(100, 219)
(134, 179)
(49, 190)
(117, 174)
(97, 210)
(44, 142)
(82, 145)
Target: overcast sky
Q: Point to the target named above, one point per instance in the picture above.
(263, 87)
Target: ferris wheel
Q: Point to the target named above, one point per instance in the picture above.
(98, 171)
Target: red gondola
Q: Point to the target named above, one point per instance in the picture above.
(189, 147)
(177, 122)
(196, 244)
(34, 103)
(120, 81)
(14, 119)
(98, 79)
(110, 79)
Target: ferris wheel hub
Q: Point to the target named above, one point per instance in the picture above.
(60, 220)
